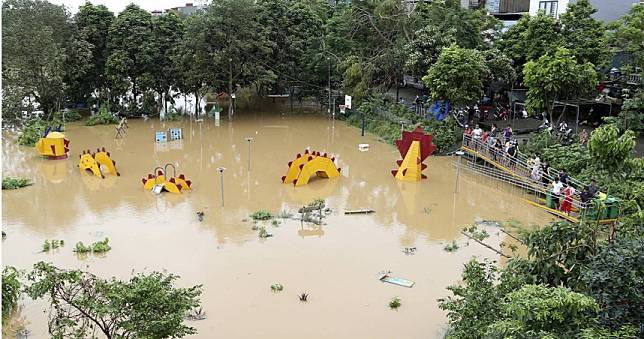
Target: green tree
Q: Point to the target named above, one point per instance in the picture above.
(10, 291)
(131, 51)
(168, 30)
(475, 304)
(555, 77)
(610, 149)
(615, 278)
(500, 68)
(631, 114)
(92, 23)
(443, 23)
(539, 311)
(628, 35)
(457, 76)
(584, 35)
(236, 45)
(292, 29)
(530, 38)
(34, 38)
(146, 306)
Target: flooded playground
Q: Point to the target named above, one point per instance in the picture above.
(336, 263)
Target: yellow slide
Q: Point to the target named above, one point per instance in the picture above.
(304, 166)
(97, 163)
(411, 166)
(54, 146)
(175, 184)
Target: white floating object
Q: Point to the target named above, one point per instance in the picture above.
(363, 147)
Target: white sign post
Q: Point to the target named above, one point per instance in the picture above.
(347, 101)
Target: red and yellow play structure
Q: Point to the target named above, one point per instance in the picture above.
(159, 182)
(414, 147)
(97, 163)
(304, 166)
(53, 145)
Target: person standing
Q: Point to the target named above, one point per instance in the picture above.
(557, 186)
(566, 205)
(507, 133)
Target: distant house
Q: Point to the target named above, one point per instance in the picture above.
(189, 9)
(510, 11)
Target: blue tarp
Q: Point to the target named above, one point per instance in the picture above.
(439, 109)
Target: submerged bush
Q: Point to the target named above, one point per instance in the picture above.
(10, 291)
(52, 245)
(261, 215)
(394, 303)
(97, 247)
(70, 115)
(32, 131)
(10, 183)
(103, 117)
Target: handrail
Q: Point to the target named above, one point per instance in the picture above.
(521, 159)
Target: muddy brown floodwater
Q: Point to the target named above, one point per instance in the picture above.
(335, 263)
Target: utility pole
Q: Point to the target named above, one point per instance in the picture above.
(328, 60)
(249, 140)
(458, 169)
(230, 88)
(221, 172)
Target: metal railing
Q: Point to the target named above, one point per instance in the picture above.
(519, 167)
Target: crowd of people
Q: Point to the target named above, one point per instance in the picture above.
(504, 149)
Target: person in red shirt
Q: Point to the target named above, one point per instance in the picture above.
(566, 205)
(468, 134)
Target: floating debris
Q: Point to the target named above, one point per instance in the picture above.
(385, 277)
(409, 250)
(304, 297)
(200, 215)
(196, 314)
(362, 211)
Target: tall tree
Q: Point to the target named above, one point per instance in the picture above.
(92, 23)
(131, 51)
(584, 35)
(237, 45)
(293, 31)
(457, 76)
(628, 35)
(530, 38)
(34, 41)
(557, 76)
(444, 23)
(167, 32)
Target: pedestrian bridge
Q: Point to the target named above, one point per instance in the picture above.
(484, 160)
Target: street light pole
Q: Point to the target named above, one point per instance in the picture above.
(221, 172)
(328, 60)
(249, 140)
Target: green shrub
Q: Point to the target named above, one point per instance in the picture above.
(103, 117)
(9, 183)
(317, 203)
(277, 287)
(54, 244)
(32, 131)
(71, 115)
(394, 303)
(172, 116)
(451, 247)
(97, 247)
(261, 215)
(10, 291)
(263, 233)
